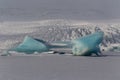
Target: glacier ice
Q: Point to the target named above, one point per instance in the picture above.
(30, 45)
(83, 46)
(88, 45)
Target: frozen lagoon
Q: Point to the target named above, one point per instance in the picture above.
(56, 67)
(60, 67)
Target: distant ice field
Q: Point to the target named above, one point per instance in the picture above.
(12, 33)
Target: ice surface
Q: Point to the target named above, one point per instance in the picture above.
(58, 67)
(88, 44)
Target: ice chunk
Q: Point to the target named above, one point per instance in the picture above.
(114, 49)
(88, 45)
(30, 45)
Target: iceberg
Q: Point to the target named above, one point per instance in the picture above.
(31, 45)
(88, 45)
(84, 46)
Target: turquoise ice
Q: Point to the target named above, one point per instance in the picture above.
(88, 45)
(83, 46)
(31, 45)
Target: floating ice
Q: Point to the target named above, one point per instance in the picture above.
(88, 45)
(30, 45)
(84, 46)
(114, 48)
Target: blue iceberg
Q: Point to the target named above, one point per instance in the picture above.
(88, 45)
(31, 45)
(84, 46)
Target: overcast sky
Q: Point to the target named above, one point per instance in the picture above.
(79, 9)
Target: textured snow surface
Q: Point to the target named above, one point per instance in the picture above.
(12, 33)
